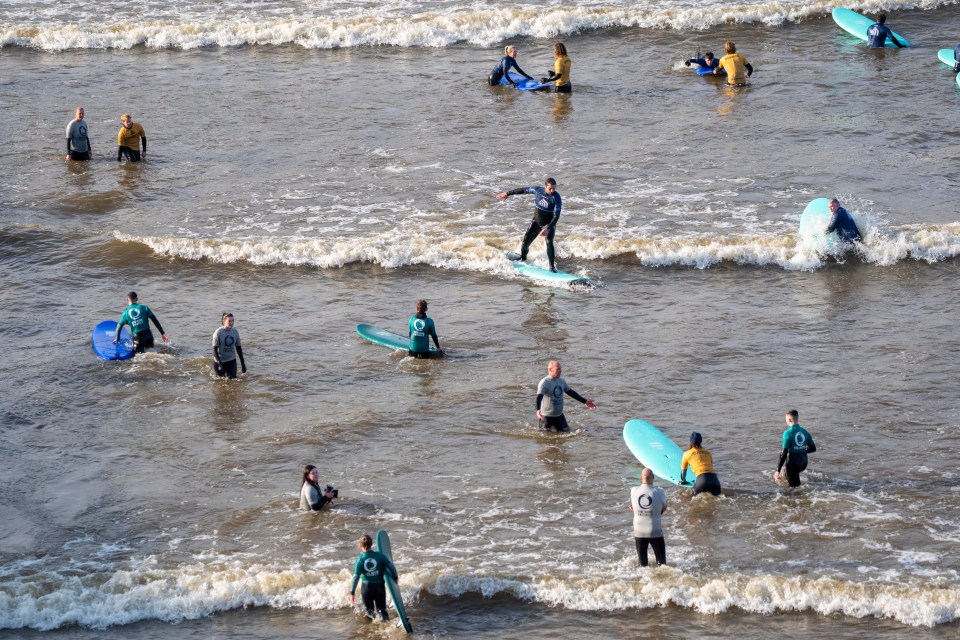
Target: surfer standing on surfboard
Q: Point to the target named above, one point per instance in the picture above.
(547, 204)
(550, 399)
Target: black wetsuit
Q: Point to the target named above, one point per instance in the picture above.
(557, 422)
(797, 443)
(499, 71)
(546, 214)
(842, 222)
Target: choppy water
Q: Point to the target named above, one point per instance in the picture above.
(307, 183)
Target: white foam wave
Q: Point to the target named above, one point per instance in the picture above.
(394, 23)
(929, 243)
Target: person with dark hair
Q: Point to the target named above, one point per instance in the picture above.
(648, 504)
(797, 443)
(129, 138)
(706, 62)
(507, 62)
(420, 329)
(842, 222)
(878, 32)
(735, 65)
(547, 205)
(560, 74)
(226, 349)
(135, 316)
(78, 137)
(312, 497)
(550, 399)
(371, 567)
(701, 461)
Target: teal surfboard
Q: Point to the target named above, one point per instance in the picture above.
(813, 222)
(383, 546)
(946, 57)
(857, 25)
(534, 272)
(386, 338)
(656, 451)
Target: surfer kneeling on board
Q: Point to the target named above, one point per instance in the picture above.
(135, 316)
(547, 205)
(706, 62)
(420, 329)
(312, 497)
(550, 399)
(701, 461)
(878, 32)
(502, 70)
(842, 222)
(371, 567)
(797, 443)
(734, 64)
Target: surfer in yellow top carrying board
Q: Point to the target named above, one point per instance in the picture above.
(735, 65)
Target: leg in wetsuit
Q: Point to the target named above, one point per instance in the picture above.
(142, 341)
(555, 422)
(531, 235)
(133, 155)
(708, 482)
(795, 464)
(374, 595)
(228, 369)
(659, 550)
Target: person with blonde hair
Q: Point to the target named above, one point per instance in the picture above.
(735, 65)
(129, 139)
(560, 74)
(507, 62)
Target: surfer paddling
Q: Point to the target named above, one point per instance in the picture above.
(797, 443)
(547, 205)
(550, 399)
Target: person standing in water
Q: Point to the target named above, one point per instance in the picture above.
(136, 316)
(226, 349)
(878, 32)
(371, 567)
(735, 65)
(421, 329)
(129, 138)
(78, 138)
(547, 205)
(560, 75)
(648, 504)
(312, 497)
(797, 443)
(550, 399)
(507, 62)
(701, 461)
(842, 222)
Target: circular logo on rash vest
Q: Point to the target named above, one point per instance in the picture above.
(134, 313)
(800, 439)
(419, 324)
(228, 341)
(370, 565)
(644, 502)
(557, 392)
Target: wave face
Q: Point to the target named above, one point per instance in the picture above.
(189, 24)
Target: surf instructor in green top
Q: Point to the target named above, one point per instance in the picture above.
(135, 316)
(421, 329)
(797, 443)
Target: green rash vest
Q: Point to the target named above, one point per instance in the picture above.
(420, 330)
(136, 316)
(796, 439)
(371, 567)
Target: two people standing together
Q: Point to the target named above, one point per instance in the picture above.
(129, 139)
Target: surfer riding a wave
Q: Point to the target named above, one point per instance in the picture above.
(547, 203)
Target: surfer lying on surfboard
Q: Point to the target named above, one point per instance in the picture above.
(547, 204)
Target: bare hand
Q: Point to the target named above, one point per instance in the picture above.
(591, 404)
(165, 337)
(68, 156)
(539, 415)
(502, 195)
(352, 600)
(776, 475)
(543, 232)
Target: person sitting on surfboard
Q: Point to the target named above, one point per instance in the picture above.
(734, 64)
(135, 316)
(797, 443)
(706, 62)
(421, 329)
(371, 567)
(878, 32)
(701, 461)
(842, 222)
(648, 504)
(508, 61)
(547, 205)
(312, 497)
(550, 399)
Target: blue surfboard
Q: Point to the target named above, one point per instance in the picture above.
(946, 57)
(813, 222)
(534, 272)
(524, 84)
(386, 338)
(383, 546)
(857, 25)
(704, 71)
(102, 338)
(656, 451)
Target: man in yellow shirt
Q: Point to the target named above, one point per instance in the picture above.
(736, 66)
(129, 139)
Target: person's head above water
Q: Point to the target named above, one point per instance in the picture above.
(310, 474)
(696, 439)
(708, 56)
(366, 542)
(792, 417)
(226, 320)
(421, 306)
(834, 205)
(510, 50)
(126, 120)
(132, 297)
(553, 368)
(881, 17)
(550, 185)
(729, 47)
(559, 49)
(78, 113)
(646, 476)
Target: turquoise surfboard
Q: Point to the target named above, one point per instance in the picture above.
(813, 221)
(656, 451)
(946, 57)
(524, 84)
(386, 338)
(534, 272)
(102, 339)
(383, 546)
(857, 25)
